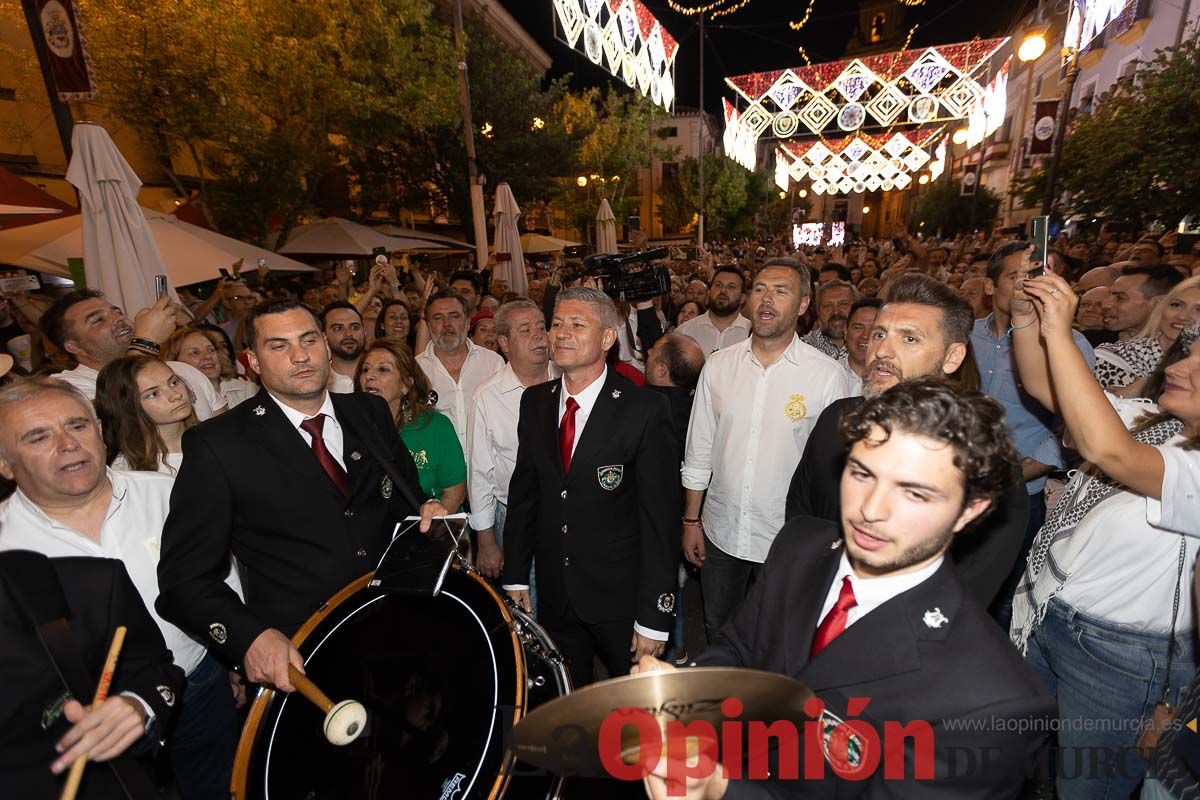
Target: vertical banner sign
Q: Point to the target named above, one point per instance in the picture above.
(1045, 113)
(70, 63)
(969, 179)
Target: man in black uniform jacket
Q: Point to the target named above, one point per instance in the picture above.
(95, 596)
(923, 330)
(304, 515)
(870, 608)
(595, 496)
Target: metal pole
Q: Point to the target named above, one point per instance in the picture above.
(63, 120)
(1060, 130)
(1026, 113)
(464, 94)
(700, 228)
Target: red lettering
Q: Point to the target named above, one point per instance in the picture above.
(731, 739)
(787, 736)
(894, 735)
(696, 739)
(629, 758)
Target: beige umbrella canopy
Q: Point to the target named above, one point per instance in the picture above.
(537, 243)
(6, 209)
(510, 254)
(335, 237)
(436, 240)
(606, 229)
(191, 254)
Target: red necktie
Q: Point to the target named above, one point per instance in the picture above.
(333, 469)
(835, 621)
(566, 433)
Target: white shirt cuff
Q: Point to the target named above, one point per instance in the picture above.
(515, 587)
(150, 718)
(658, 636)
(482, 520)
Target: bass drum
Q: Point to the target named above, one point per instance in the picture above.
(444, 679)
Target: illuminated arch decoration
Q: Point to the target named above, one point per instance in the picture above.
(858, 163)
(911, 87)
(625, 38)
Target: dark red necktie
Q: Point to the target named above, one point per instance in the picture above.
(333, 469)
(566, 433)
(835, 621)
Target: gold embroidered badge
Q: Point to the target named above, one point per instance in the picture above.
(796, 410)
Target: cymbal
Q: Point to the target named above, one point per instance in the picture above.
(563, 735)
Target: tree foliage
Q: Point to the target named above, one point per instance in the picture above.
(942, 208)
(1133, 158)
(261, 98)
(735, 199)
(617, 141)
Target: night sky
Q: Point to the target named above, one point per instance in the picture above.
(757, 38)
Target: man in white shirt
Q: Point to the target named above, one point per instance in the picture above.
(858, 336)
(870, 615)
(492, 428)
(95, 332)
(754, 408)
(454, 365)
(344, 333)
(722, 324)
(68, 504)
(834, 300)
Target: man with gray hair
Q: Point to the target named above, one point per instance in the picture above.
(454, 365)
(594, 497)
(492, 425)
(754, 408)
(69, 505)
(835, 298)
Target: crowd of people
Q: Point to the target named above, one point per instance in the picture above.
(934, 473)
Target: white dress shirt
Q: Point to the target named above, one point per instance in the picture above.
(702, 330)
(492, 442)
(455, 396)
(856, 383)
(205, 399)
(746, 435)
(131, 533)
(339, 383)
(331, 432)
(871, 593)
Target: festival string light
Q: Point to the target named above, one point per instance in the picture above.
(803, 21)
(678, 9)
(722, 12)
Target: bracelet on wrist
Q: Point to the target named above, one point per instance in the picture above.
(695, 521)
(1012, 327)
(148, 345)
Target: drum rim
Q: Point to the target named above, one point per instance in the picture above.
(258, 709)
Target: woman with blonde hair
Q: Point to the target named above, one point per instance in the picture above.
(389, 370)
(206, 350)
(1121, 364)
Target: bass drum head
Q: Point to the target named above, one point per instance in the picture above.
(443, 680)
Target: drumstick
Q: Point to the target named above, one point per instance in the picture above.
(106, 676)
(344, 721)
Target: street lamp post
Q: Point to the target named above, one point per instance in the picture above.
(479, 221)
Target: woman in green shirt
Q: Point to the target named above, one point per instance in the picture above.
(389, 370)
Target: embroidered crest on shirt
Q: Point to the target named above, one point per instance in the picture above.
(610, 476)
(935, 618)
(666, 603)
(167, 694)
(259, 411)
(796, 409)
(218, 633)
(420, 458)
(616, 393)
(844, 748)
(355, 456)
(386, 487)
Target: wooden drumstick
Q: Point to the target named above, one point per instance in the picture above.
(110, 666)
(344, 721)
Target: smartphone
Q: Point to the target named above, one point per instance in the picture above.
(1041, 242)
(1184, 243)
(160, 286)
(225, 274)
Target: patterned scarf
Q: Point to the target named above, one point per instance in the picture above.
(1055, 549)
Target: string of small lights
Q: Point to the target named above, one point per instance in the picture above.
(804, 21)
(738, 6)
(678, 9)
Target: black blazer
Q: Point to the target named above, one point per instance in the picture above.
(249, 484)
(930, 653)
(606, 534)
(984, 553)
(99, 597)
